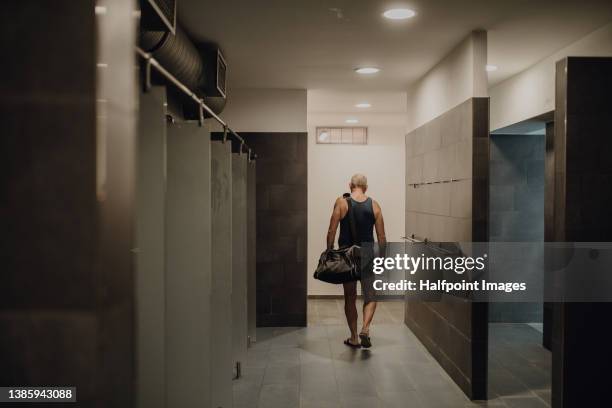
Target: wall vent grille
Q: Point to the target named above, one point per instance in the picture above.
(356, 135)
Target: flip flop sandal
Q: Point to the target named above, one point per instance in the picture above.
(365, 340)
(348, 343)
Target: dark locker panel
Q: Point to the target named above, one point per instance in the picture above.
(581, 334)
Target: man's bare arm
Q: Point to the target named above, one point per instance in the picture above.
(333, 223)
(379, 226)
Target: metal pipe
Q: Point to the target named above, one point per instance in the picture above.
(154, 63)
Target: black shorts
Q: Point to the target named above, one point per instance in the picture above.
(367, 273)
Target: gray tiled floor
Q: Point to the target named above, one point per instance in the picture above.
(519, 367)
(310, 367)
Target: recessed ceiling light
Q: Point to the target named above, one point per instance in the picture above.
(363, 105)
(399, 14)
(352, 121)
(366, 70)
(491, 68)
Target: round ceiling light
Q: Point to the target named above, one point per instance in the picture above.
(351, 121)
(399, 14)
(367, 70)
(363, 105)
(491, 68)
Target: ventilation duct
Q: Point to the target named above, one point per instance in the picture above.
(178, 55)
(201, 69)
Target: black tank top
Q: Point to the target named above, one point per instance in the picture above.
(364, 223)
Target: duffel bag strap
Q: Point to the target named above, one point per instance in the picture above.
(351, 216)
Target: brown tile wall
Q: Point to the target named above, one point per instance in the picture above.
(451, 153)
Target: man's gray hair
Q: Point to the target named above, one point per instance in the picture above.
(359, 181)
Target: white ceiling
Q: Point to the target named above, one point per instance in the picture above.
(333, 101)
(315, 44)
(333, 107)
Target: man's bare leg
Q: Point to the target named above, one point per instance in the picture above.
(368, 314)
(350, 309)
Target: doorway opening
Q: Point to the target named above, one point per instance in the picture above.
(519, 365)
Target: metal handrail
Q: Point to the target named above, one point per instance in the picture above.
(428, 243)
(414, 240)
(152, 62)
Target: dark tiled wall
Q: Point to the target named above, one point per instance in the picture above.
(281, 227)
(447, 200)
(517, 188)
(581, 333)
(517, 209)
(441, 150)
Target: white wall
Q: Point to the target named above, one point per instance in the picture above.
(266, 110)
(458, 76)
(330, 167)
(532, 92)
(440, 145)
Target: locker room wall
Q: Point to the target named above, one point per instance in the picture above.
(448, 139)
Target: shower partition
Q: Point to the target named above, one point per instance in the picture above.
(151, 257)
(251, 252)
(221, 213)
(188, 265)
(239, 259)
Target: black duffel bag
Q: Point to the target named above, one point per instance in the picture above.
(341, 265)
